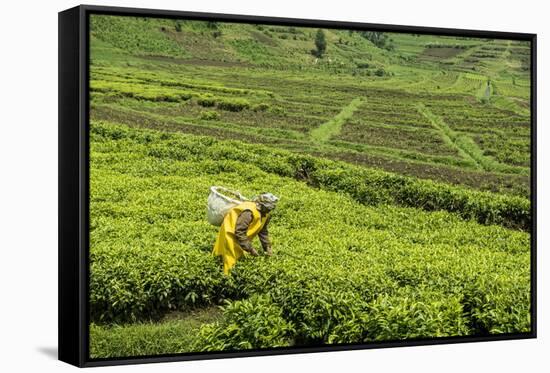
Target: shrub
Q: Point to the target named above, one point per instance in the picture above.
(370, 186)
(129, 282)
(209, 115)
(229, 104)
(413, 313)
(392, 273)
(206, 101)
(248, 324)
(276, 110)
(235, 104)
(320, 43)
(262, 106)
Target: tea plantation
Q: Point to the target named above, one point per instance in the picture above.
(403, 172)
(343, 270)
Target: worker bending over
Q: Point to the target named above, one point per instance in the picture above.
(240, 225)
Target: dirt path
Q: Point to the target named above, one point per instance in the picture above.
(331, 128)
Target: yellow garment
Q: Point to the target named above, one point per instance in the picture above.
(226, 244)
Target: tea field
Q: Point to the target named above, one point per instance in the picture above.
(403, 172)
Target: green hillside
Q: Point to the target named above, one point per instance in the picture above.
(290, 48)
(231, 76)
(402, 162)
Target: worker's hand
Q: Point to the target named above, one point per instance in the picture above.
(268, 251)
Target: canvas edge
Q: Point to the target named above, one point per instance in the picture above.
(74, 182)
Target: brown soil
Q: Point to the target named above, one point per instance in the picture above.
(195, 61)
(441, 52)
(513, 184)
(133, 119)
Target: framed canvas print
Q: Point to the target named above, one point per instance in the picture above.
(239, 185)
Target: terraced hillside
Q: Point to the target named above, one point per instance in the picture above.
(402, 162)
(234, 92)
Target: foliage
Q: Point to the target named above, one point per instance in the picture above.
(233, 104)
(133, 278)
(229, 104)
(320, 43)
(139, 91)
(150, 247)
(209, 115)
(380, 39)
(249, 324)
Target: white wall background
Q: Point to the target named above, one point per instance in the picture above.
(28, 185)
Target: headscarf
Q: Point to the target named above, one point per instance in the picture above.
(267, 200)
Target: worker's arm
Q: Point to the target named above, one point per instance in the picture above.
(243, 221)
(263, 235)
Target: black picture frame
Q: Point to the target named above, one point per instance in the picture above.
(73, 250)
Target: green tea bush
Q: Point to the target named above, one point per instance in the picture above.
(495, 302)
(209, 115)
(320, 314)
(139, 91)
(236, 104)
(276, 110)
(351, 264)
(369, 186)
(374, 187)
(248, 324)
(229, 104)
(129, 282)
(412, 313)
(262, 106)
(443, 45)
(206, 101)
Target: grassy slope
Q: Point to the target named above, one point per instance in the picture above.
(289, 47)
(174, 334)
(333, 127)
